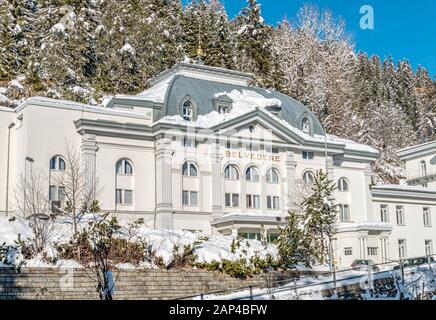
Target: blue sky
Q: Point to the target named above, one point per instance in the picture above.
(403, 28)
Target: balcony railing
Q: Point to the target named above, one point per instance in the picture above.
(419, 176)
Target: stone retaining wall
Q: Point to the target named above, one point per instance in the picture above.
(46, 283)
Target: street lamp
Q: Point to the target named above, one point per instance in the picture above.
(27, 159)
(11, 125)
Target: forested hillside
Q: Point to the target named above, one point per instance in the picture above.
(85, 50)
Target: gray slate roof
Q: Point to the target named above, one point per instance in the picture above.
(202, 92)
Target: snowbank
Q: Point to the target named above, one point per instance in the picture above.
(162, 243)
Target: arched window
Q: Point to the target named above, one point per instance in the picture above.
(57, 163)
(188, 110)
(231, 172)
(124, 167)
(272, 176)
(423, 168)
(305, 125)
(308, 178)
(251, 174)
(189, 169)
(343, 185)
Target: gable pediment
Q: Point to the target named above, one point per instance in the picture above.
(257, 126)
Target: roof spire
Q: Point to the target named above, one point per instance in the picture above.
(200, 50)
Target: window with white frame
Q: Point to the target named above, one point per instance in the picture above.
(124, 167)
(399, 211)
(232, 200)
(56, 193)
(223, 109)
(307, 155)
(384, 213)
(253, 201)
(305, 125)
(423, 168)
(57, 163)
(186, 142)
(402, 249)
(348, 251)
(251, 174)
(272, 176)
(427, 217)
(189, 169)
(124, 196)
(344, 212)
(343, 185)
(372, 251)
(188, 110)
(273, 202)
(250, 235)
(428, 247)
(308, 178)
(231, 172)
(190, 198)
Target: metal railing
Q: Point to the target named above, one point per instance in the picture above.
(278, 285)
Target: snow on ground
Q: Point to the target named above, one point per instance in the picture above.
(417, 280)
(162, 242)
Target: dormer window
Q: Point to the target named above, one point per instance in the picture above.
(222, 104)
(275, 110)
(223, 109)
(188, 110)
(305, 125)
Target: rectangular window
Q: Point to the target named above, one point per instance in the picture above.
(307, 155)
(128, 197)
(273, 202)
(187, 142)
(235, 200)
(400, 215)
(402, 248)
(250, 235)
(185, 197)
(348, 251)
(232, 200)
(272, 236)
(119, 196)
(384, 213)
(194, 198)
(52, 194)
(190, 198)
(427, 217)
(232, 144)
(372, 251)
(344, 212)
(428, 247)
(61, 194)
(253, 201)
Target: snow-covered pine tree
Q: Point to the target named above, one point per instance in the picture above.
(408, 99)
(16, 34)
(7, 54)
(294, 243)
(253, 42)
(320, 215)
(220, 49)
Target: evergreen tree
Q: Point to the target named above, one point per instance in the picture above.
(294, 244)
(253, 43)
(320, 215)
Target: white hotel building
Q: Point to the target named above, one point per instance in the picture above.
(156, 157)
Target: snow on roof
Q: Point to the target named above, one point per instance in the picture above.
(245, 101)
(157, 92)
(403, 187)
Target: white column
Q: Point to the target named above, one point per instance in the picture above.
(291, 165)
(217, 184)
(367, 194)
(164, 207)
(89, 156)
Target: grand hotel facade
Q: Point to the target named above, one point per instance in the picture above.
(202, 150)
